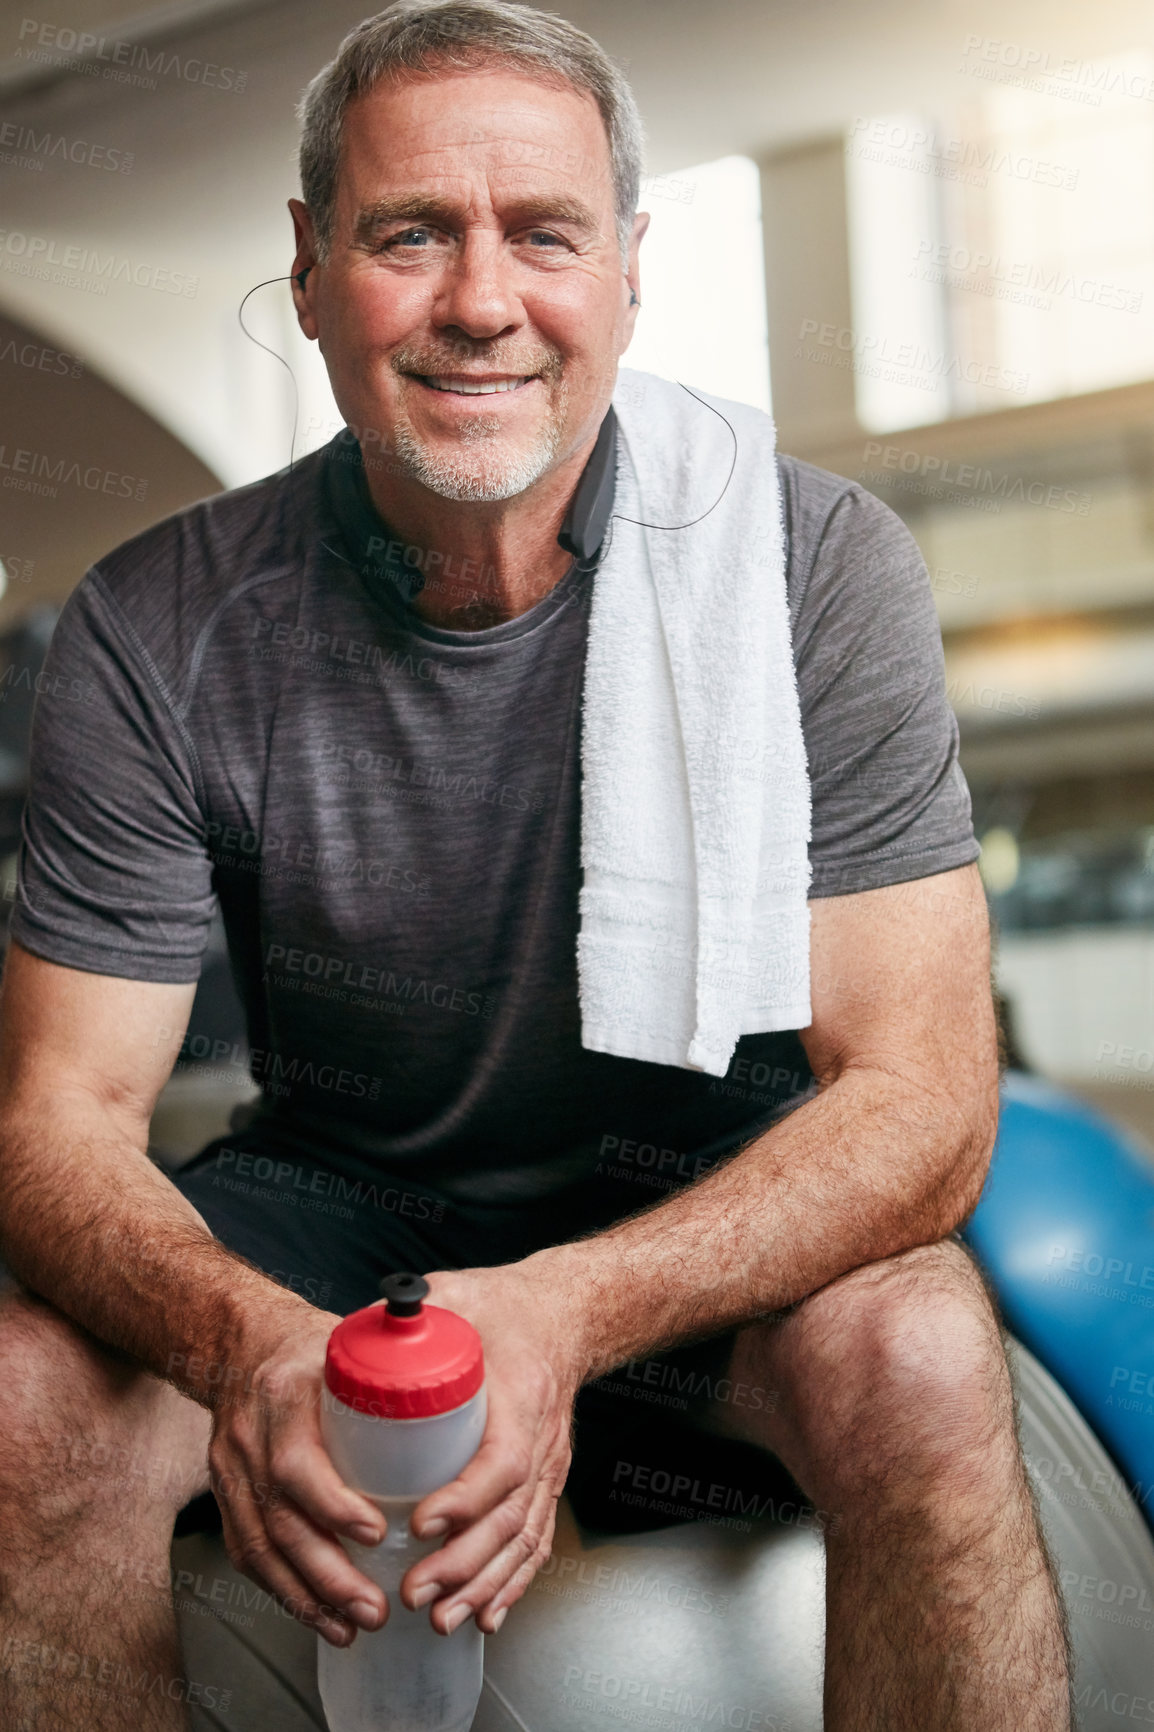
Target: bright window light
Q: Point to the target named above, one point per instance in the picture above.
(1003, 253)
(702, 317)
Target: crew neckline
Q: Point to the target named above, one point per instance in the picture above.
(374, 549)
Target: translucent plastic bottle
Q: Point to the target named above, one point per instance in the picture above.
(403, 1411)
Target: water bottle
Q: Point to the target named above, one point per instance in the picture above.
(402, 1413)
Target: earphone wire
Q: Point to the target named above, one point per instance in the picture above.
(641, 524)
(276, 357)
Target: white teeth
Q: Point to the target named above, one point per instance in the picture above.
(481, 389)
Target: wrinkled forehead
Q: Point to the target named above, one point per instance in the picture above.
(519, 137)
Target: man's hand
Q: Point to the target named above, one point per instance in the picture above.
(282, 1500)
(500, 1511)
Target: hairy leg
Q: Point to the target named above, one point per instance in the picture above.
(96, 1457)
(894, 1412)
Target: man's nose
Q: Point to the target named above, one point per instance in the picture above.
(477, 293)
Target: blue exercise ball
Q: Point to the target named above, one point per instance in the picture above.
(1065, 1229)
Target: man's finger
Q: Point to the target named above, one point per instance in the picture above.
(321, 1561)
(301, 1466)
(254, 1557)
(520, 1557)
(490, 1615)
(502, 1463)
(498, 1535)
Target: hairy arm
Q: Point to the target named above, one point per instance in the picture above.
(891, 1153)
(86, 1219)
(89, 1223)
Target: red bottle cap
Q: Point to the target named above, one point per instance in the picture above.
(404, 1359)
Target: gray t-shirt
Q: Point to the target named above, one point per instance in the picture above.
(242, 704)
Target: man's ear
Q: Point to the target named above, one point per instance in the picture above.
(632, 276)
(304, 267)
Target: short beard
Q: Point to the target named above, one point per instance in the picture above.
(473, 474)
(489, 476)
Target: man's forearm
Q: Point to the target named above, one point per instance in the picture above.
(91, 1225)
(864, 1170)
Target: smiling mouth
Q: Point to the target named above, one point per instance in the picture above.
(464, 387)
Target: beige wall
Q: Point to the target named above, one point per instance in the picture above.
(81, 469)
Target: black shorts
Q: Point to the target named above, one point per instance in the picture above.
(330, 1234)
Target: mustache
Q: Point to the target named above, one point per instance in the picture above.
(485, 357)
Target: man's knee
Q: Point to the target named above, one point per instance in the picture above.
(80, 1428)
(899, 1364)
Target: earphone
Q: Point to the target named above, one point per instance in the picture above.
(617, 516)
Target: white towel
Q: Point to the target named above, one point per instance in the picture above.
(695, 809)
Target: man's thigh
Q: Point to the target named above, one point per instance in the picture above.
(80, 1416)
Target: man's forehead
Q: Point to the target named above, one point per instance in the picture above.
(494, 122)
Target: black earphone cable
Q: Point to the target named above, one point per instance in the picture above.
(288, 369)
(732, 466)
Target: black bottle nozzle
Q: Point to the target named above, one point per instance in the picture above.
(404, 1294)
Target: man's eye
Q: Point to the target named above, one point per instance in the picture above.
(543, 238)
(418, 237)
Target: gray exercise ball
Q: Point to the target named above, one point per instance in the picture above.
(720, 1621)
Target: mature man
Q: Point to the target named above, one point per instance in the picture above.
(379, 778)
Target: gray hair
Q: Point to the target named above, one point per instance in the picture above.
(424, 35)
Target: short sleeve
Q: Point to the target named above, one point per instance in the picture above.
(890, 802)
(113, 876)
